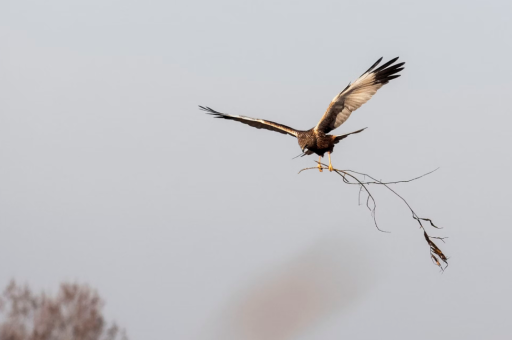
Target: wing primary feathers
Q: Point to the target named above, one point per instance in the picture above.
(393, 77)
(391, 69)
(254, 122)
(372, 67)
(386, 65)
(209, 110)
(384, 76)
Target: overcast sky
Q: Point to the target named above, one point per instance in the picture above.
(195, 228)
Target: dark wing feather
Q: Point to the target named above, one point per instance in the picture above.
(358, 93)
(340, 137)
(254, 122)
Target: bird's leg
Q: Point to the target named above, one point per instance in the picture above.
(330, 165)
(319, 164)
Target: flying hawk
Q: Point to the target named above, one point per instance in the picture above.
(317, 140)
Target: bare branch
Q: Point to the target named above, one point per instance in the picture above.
(436, 254)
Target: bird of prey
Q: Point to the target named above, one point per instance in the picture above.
(317, 140)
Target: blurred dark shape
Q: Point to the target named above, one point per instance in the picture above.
(318, 284)
(75, 313)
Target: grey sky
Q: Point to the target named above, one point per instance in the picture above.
(111, 176)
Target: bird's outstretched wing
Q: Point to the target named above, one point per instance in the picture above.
(358, 93)
(340, 137)
(254, 122)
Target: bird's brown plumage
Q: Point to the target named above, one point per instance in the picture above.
(317, 140)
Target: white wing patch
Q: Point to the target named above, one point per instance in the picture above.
(356, 94)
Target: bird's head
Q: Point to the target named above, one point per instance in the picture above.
(303, 142)
(303, 145)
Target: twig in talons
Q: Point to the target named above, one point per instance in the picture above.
(436, 255)
(309, 169)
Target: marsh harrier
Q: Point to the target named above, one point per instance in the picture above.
(317, 140)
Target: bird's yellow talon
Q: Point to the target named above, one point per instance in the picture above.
(330, 167)
(320, 168)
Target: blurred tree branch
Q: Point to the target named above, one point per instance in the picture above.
(75, 313)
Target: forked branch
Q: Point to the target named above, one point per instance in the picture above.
(350, 177)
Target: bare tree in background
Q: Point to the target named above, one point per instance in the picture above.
(75, 313)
